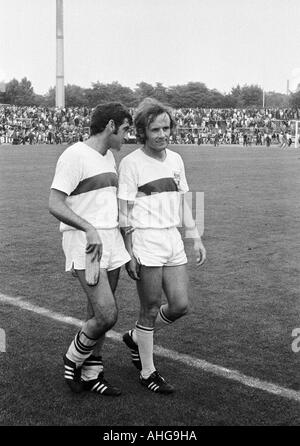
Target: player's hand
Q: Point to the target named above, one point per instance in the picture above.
(93, 244)
(133, 268)
(200, 251)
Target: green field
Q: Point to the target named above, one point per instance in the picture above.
(244, 301)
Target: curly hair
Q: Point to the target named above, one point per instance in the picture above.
(103, 113)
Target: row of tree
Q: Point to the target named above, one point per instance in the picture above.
(191, 95)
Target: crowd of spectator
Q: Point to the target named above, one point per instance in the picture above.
(42, 125)
(235, 126)
(39, 125)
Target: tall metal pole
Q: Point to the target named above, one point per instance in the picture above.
(60, 87)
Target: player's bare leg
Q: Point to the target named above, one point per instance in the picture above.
(149, 290)
(103, 305)
(93, 366)
(175, 286)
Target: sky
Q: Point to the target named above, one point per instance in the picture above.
(221, 43)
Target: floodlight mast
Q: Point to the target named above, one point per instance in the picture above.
(60, 87)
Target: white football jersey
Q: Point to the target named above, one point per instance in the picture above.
(154, 186)
(90, 181)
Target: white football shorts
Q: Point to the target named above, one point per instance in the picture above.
(114, 253)
(158, 247)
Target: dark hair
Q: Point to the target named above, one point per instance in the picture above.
(103, 113)
(146, 113)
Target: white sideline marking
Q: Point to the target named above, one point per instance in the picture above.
(223, 372)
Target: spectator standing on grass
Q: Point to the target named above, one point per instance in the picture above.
(284, 141)
(57, 138)
(216, 140)
(84, 198)
(259, 138)
(49, 136)
(151, 187)
(15, 137)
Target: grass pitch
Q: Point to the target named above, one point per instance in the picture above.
(244, 301)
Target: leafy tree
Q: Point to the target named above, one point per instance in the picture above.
(160, 92)
(295, 100)
(49, 98)
(118, 92)
(39, 100)
(235, 97)
(75, 96)
(12, 92)
(26, 93)
(276, 100)
(19, 93)
(143, 91)
(190, 95)
(230, 101)
(196, 94)
(174, 96)
(215, 99)
(252, 96)
(100, 93)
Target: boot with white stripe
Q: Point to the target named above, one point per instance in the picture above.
(101, 386)
(72, 375)
(156, 383)
(135, 356)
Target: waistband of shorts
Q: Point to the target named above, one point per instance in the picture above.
(99, 228)
(155, 229)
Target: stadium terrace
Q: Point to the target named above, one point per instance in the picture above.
(46, 125)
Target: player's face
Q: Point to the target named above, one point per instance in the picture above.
(116, 140)
(158, 133)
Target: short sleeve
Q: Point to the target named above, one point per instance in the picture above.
(183, 185)
(128, 180)
(67, 173)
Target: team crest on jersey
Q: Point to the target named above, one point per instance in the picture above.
(176, 175)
